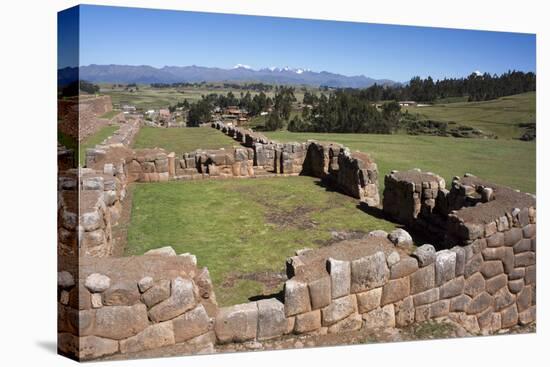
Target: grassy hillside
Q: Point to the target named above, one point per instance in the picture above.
(507, 162)
(499, 116)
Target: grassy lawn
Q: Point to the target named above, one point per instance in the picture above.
(182, 140)
(241, 229)
(507, 162)
(499, 116)
(109, 115)
(93, 140)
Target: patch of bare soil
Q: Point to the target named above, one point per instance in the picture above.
(271, 280)
(295, 218)
(120, 230)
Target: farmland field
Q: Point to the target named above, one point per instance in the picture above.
(242, 230)
(507, 162)
(182, 140)
(499, 116)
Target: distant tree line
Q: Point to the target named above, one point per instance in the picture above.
(476, 87)
(258, 87)
(74, 88)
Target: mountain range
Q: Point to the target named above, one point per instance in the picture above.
(144, 74)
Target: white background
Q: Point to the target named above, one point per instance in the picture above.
(28, 180)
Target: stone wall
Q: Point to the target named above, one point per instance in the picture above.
(127, 305)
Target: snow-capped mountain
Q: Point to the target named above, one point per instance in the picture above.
(239, 73)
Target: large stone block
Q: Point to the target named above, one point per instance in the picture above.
(425, 255)
(495, 283)
(369, 272)
(423, 279)
(182, 298)
(459, 303)
(120, 322)
(445, 266)
(307, 322)
(353, 322)
(406, 266)
(380, 318)
(91, 347)
(395, 290)
(460, 259)
(428, 296)
(480, 303)
(512, 236)
(156, 293)
(440, 308)
(296, 297)
(339, 309)
(121, 294)
(452, 288)
(404, 312)
(474, 285)
(271, 319)
(509, 316)
(97, 283)
(237, 323)
(523, 299)
(473, 265)
(523, 245)
(503, 298)
(369, 300)
(319, 292)
(525, 259)
(492, 268)
(191, 324)
(154, 336)
(340, 277)
(528, 316)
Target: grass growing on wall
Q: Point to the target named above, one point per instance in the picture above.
(182, 140)
(506, 162)
(242, 228)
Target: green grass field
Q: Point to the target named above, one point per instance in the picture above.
(93, 140)
(241, 229)
(182, 140)
(109, 115)
(507, 162)
(499, 116)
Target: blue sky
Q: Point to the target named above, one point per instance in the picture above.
(113, 35)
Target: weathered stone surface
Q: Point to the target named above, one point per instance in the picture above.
(469, 322)
(97, 300)
(296, 297)
(307, 322)
(380, 318)
(404, 312)
(121, 294)
(406, 266)
(440, 308)
(120, 322)
(80, 297)
(401, 238)
(155, 336)
(291, 321)
(369, 272)
(271, 318)
(523, 245)
(339, 309)
(445, 266)
(503, 298)
(97, 283)
(157, 293)
(459, 303)
(145, 283)
(91, 347)
(516, 273)
(191, 324)
(530, 274)
(425, 255)
(509, 316)
(495, 283)
(492, 268)
(523, 299)
(452, 288)
(319, 292)
(182, 298)
(473, 265)
(369, 300)
(351, 323)
(340, 277)
(478, 245)
(395, 290)
(423, 279)
(528, 316)
(162, 251)
(422, 313)
(460, 259)
(525, 259)
(496, 240)
(393, 258)
(529, 231)
(237, 323)
(515, 286)
(64, 297)
(65, 280)
(512, 236)
(428, 296)
(479, 303)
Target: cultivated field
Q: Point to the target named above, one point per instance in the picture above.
(242, 230)
(507, 162)
(499, 116)
(182, 140)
